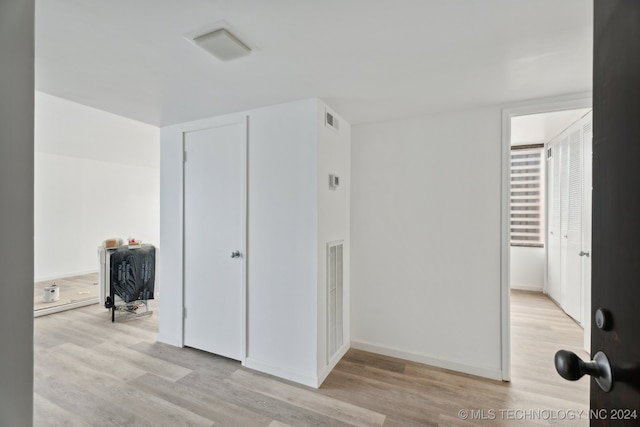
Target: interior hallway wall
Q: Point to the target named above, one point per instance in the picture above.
(425, 234)
(527, 268)
(96, 176)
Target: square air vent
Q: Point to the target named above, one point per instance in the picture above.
(331, 121)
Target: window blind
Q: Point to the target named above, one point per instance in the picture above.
(527, 196)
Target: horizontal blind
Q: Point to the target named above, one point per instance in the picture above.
(527, 196)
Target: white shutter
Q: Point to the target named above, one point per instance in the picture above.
(575, 183)
(527, 196)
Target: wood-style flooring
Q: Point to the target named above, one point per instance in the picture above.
(89, 371)
(72, 290)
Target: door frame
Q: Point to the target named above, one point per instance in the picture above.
(534, 106)
(243, 121)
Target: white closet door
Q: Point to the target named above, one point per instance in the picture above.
(214, 229)
(553, 221)
(572, 286)
(564, 213)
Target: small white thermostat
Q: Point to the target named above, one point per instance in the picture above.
(334, 182)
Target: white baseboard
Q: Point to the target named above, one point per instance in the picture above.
(298, 377)
(530, 288)
(64, 276)
(64, 307)
(494, 374)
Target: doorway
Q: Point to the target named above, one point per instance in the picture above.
(524, 265)
(550, 214)
(550, 225)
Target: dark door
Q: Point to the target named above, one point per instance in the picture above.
(615, 295)
(616, 207)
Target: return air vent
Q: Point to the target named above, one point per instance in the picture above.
(335, 298)
(331, 121)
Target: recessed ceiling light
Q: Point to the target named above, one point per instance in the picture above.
(222, 44)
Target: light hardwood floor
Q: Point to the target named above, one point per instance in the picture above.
(72, 290)
(89, 371)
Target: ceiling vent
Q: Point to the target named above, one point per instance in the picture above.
(222, 44)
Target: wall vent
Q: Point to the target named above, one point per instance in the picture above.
(331, 121)
(335, 298)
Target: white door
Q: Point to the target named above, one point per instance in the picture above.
(572, 287)
(564, 214)
(214, 239)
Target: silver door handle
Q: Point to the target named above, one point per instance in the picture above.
(235, 254)
(582, 253)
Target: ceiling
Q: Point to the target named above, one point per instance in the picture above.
(541, 128)
(370, 60)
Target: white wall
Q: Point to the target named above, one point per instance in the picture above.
(16, 211)
(334, 157)
(96, 176)
(527, 268)
(282, 252)
(70, 129)
(171, 235)
(425, 240)
(282, 249)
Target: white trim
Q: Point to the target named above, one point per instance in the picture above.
(534, 106)
(64, 307)
(65, 276)
(183, 131)
(243, 236)
(242, 120)
(505, 249)
(427, 360)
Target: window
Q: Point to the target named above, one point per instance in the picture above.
(527, 195)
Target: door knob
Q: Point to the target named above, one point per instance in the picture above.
(582, 253)
(572, 368)
(235, 254)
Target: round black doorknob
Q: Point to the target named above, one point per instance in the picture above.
(572, 368)
(569, 365)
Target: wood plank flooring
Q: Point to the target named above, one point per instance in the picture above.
(154, 384)
(72, 290)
